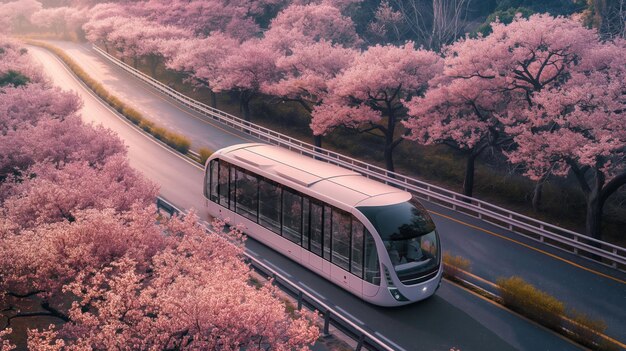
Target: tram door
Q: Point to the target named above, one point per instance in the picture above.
(356, 256)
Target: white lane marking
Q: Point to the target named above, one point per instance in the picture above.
(277, 268)
(389, 341)
(253, 252)
(312, 291)
(349, 315)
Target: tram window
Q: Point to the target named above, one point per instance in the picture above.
(356, 266)
(247, 195)
(341, 239)
(269, 205)
(223, 180)
(316, 228)
(327, 214)
(233, 188)
(292, 216)
(305, 222)
(212, 181)
(372, 267)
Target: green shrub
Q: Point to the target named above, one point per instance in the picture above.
(530, 301)
(204, 154)
(453, 266)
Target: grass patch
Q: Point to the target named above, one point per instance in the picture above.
(204, 154)
(524, 298)
(177, 141)
(453, 266)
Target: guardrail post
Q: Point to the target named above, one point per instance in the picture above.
(299, 300)
(325, 332)
(359, 345)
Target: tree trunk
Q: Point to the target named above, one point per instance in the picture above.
(389, 144)
(213, 98)
(153, 61)
(595, 203)
(135, 62)
(317, 141)
(537, 193)
(468, 181)
(244, 104)
(594, 216)
(389, 159)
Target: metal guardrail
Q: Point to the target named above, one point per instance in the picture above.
(546, 233)
(364, 338)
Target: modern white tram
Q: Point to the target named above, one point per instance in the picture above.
(369, 238)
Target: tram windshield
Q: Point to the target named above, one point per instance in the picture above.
(409, 236)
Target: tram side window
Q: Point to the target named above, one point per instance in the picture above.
(269, 205)
(247, 195)
(212, 181)
(292, 216)
(372, 267)
(341, 239)
(223, 180)
(356, 266)
(305, 222)
(327, 216)
(316, 228)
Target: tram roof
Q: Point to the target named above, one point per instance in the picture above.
(341, 184)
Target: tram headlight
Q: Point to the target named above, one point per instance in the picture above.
(397, 295)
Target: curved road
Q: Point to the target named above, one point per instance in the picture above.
(452, 318)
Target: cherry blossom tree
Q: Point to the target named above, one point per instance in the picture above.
(199, 58)
(136, 37)
(53, 194)
(578, 126)
(487, 78)
(245, 69)
(103, 18)
(193, 294)
(16, 64)
(97, 31)
(61, 20)
(308, 24)
(18, 14)
(370, 94)
(39, 124)
(42, 260)
(306, 73)
(387, 23)
(204, 17)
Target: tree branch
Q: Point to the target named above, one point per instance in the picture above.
(28, 294)
(612, 186)
(580, 176)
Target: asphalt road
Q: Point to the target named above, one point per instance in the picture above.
(452, 318)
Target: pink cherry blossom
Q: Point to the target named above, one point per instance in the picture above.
(245, 70)
(307, 24)
(379, 80)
